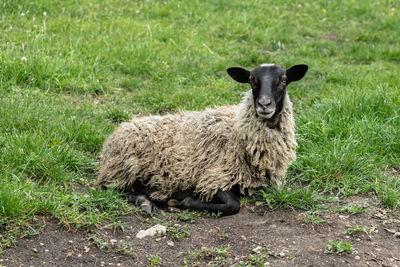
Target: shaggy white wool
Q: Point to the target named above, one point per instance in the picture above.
(205, 151)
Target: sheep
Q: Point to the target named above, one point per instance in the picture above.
(204, 160)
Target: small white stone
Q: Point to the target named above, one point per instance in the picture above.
(156, 229)
(170, 243)
(357, 257)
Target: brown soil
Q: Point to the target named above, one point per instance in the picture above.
(292, 241)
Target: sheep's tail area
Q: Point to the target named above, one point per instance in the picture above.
(113, 174)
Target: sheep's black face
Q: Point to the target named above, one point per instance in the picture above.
(268, 83)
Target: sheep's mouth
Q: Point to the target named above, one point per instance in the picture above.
(265, 114)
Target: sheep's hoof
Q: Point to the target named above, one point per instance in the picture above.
(173, 202)
(150, 209)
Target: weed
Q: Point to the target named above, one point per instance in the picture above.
(338, 247)
(214, 256)
(223, 236)
(211, 214)
(356, 229)
(313, 217)
(178, 231)
(187, 216)
(257, 258)
(352, 209)
(124, 247)
(153, 261)
(97, 240)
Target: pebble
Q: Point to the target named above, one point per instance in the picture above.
(170, 243)
(357, 257)
(156, 229)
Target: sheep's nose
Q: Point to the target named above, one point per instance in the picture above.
(264, 102)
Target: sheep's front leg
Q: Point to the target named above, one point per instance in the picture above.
(228, 203)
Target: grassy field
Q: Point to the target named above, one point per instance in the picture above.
(71, 71)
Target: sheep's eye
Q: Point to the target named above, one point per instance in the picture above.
(283, 80)
(253, 81)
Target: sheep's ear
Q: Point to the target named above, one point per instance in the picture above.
(239, 74)
(296, 72)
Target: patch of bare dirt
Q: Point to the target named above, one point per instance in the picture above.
(255, 236)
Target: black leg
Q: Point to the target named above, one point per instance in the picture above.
(142, 201)
(228, 203)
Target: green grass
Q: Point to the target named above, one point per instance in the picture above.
(70, 72)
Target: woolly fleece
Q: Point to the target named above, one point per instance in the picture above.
(200, 150)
